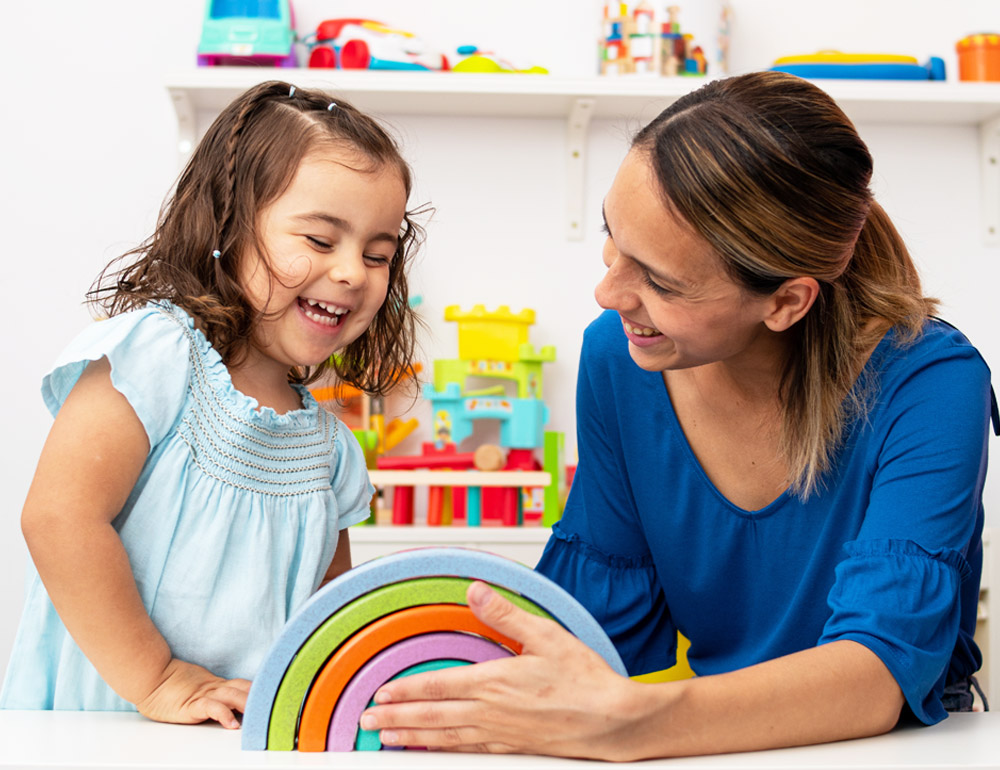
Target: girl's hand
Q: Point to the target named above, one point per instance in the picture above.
(190, 694)
(558, 697)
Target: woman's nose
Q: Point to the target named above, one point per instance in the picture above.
(613, 290)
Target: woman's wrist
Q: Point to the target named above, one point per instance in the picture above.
(645, 711)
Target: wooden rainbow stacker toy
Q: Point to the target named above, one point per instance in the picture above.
(390, 617)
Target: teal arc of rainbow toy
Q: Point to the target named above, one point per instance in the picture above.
(381, 619)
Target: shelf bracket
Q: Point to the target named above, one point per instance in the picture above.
(576, 188)
(186, 137)
(989, 155)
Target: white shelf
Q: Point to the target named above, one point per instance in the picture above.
(546, 96)
(578, 100)
(524, 544)
(422, 478)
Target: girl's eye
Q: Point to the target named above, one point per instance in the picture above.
(655, 286)
(377, 260)
(317, 242)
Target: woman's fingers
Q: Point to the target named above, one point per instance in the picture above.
(445, 724)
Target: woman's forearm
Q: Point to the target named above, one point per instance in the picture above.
(833, 692)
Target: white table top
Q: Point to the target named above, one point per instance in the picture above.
(73, 740)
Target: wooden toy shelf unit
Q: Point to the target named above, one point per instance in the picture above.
(199, 94)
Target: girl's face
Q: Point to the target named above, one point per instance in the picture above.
(678, 306)
(329, 240)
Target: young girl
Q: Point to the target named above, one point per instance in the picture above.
(192, 494)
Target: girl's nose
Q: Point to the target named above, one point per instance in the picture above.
(348, 267)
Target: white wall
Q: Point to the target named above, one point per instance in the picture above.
(89, 152)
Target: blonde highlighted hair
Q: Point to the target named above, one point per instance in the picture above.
(768, 170)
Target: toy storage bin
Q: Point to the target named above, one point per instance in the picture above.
(979, 57)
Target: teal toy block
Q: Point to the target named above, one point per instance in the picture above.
(522, 420)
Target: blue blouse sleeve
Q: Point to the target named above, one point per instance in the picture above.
(597, 551)
(148, 353)
(905, 579)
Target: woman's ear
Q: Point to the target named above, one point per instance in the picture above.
(791, 302)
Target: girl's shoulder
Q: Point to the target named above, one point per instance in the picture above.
(149, 350)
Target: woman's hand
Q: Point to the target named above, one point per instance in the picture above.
(190, 694)
(558, 697)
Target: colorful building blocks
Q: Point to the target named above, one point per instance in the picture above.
(633, 41)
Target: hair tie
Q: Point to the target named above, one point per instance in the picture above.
(291, 92)
(331, 106)
(217, 254)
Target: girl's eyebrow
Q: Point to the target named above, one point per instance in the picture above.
(342, 224)
(668, 279)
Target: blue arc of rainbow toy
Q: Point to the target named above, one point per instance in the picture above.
(412, 600)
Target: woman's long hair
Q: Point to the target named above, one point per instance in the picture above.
(767, 169)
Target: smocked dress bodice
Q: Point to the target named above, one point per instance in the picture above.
(231, 525)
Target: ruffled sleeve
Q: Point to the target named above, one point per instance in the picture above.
(909, 584)
(148, 353)
(598, 551)
(351, 485)
(898, 600)
(622, 593)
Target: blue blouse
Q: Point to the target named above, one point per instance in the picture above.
(231, 526)
(888, 553)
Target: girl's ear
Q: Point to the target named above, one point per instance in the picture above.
(791, 302)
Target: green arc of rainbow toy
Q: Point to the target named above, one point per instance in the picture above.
(420, 591)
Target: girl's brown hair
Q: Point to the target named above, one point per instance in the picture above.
(245, 161)
(768, 170)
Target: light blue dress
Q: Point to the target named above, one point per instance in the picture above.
(230, 527)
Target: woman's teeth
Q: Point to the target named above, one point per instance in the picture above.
(640, 331)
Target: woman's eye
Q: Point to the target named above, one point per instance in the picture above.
(318, 242)
(655, 286)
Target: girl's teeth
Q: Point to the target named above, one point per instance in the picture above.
(328, 307)
(323, 319)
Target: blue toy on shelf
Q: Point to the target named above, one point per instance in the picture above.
(834, 64)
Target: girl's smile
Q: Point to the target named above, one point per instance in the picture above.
(329, 241)
(323, 313)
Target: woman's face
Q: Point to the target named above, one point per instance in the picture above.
(678, 306)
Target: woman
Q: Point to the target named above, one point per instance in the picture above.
(782, 456)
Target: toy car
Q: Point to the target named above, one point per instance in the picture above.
(358, 44)
(248, 32)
